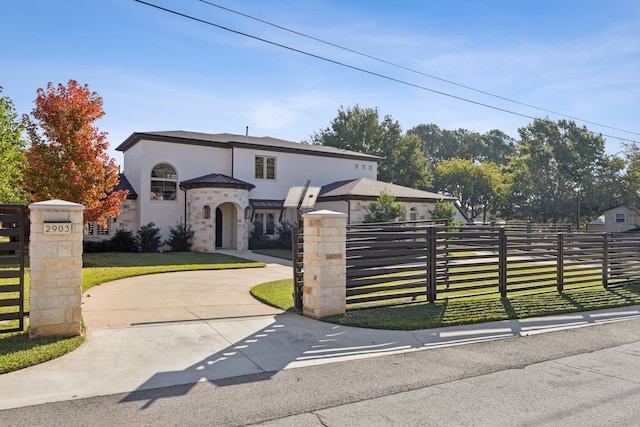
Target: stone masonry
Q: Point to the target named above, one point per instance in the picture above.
(324, 290)
(55, 257)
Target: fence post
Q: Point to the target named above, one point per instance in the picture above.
(560, 256)
(432, 260)
(55, 256)
(502, 262)
(605, 261)
(325, 264)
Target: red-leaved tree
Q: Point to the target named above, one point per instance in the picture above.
(67, 158)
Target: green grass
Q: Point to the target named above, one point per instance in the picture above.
(464, 310)
(105, 267)
(277, 294)
(277, 253)
(17, 351)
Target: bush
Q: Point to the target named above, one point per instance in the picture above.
(90, 246)
(283, 231)
(148, 238)
(123, 241)
(180, 238)
(282, 239)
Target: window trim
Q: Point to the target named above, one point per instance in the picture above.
(621, 216)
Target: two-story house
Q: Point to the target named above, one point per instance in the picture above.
(222, 185)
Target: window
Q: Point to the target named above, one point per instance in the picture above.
(103, 231)
(93, 229)
(620, 217)
(413, 214)
(267, 222)
(164, 182)
(265, 167)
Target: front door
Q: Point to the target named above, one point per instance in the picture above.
(218, 228)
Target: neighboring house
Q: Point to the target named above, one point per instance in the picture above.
(354, 196)
(222, 185)
(619, 219)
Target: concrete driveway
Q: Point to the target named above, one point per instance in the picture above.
(175, 297)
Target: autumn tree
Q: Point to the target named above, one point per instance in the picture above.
(67, 158)
(11, 149)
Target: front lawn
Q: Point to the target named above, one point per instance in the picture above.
(17, 351)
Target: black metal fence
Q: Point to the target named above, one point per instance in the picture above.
(13, 235)
(405, 263)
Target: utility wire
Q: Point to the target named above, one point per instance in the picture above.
(413, 70)
(393, 79)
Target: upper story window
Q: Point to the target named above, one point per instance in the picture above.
(265, 167)
(164, 182)
(620, 217)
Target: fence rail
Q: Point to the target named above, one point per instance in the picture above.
(396, 264)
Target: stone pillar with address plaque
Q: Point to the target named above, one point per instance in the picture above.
(55, 258)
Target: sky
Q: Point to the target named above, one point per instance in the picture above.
(456, 63)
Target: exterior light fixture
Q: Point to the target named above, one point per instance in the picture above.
(206, 211)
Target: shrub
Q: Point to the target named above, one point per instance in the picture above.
(90, 246)
(148, 238)
(180, 238)
(257, 237)
(123, 241)
(283, 231)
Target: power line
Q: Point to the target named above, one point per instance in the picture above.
(342, 64)
(504, 98)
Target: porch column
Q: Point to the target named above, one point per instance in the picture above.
(55, 257)
(325, 267)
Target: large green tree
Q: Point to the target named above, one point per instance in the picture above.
(11, 147)
(442, 144)
(480, 187)
(562, 169)
(362, 130)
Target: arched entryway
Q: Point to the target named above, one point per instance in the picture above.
(215, 206)
(226, 226)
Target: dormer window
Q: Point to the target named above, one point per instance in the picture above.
(164, 182)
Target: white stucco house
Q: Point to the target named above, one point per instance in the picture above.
(222, 185)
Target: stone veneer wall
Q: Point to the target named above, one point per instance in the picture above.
(204, 228)
(325, 264)
(56, 270)
(128, 218)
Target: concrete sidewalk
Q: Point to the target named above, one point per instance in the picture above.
(182, 328)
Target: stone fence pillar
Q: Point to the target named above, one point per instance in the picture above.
(55, 259)
(325, 265)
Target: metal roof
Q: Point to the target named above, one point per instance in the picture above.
(216, 180)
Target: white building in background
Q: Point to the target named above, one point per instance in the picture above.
(222, 184)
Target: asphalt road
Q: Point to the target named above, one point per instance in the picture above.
(588, 376)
